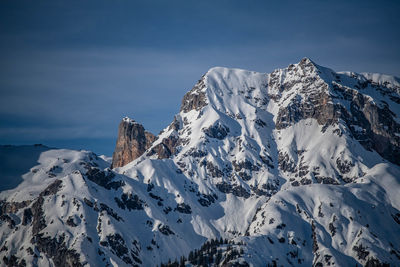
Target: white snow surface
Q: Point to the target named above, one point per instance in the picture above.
(199, 193)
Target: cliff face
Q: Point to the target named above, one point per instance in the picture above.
(328, 97)
(132, 142)
(195, 99)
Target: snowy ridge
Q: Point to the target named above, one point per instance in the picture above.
(382, 79)
(297, 167)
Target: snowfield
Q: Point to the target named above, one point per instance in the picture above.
(299, 167)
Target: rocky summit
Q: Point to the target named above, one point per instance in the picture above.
(132, 142)
(298, 167)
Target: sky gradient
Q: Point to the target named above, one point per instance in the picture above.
(70, 70)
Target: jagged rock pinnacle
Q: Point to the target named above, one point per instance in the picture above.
(132, 142)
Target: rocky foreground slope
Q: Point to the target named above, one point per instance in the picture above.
(297, 167)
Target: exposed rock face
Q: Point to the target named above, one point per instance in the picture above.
(132, 142)
(195, 99)
(102, 178)
(217, 131)
(318, 104)
(320, 98)
(378, 124)
(57, 250)
(165, 149)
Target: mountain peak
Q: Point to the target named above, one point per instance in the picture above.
(309, 66)
(306, 60)
(300, 164)
(126, 119)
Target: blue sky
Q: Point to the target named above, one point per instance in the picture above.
(70, 70)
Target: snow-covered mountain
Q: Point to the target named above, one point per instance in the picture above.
(296, 167)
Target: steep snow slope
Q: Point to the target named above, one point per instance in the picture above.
(296, 167)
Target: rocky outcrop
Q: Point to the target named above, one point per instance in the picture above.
(316, 102)
(195, 99)
(319, 106)
(166, 148)
(217, 131)
(103, 178)
(374, 126)
(132, 142)
(320, 97)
